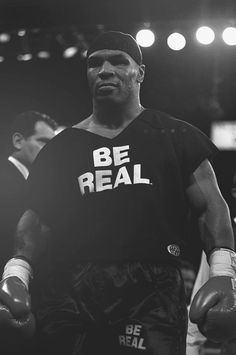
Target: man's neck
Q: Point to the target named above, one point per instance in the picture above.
(109, 127)
(21, 159)
(115, 116)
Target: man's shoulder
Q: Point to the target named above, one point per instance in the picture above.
(58, 150)
(7, 168)
(11, 179)
(60, 142)
(163, 120)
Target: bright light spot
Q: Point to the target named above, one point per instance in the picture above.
(24, 57)
(21, 33)
(229, 36)
(4, 37)
(145, 38)
(1, 58)
(205, 35)
(70, 52)
(43, 55)
(83, 53)
(176, 41)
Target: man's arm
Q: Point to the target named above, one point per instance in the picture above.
(30, 237)
(213, 213)
(15, 304)
(214, 306)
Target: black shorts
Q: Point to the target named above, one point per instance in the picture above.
(110, 309)
(228, 348)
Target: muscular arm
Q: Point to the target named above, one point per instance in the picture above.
(31, 237)
(213, 213)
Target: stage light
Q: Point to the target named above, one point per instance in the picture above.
(176, 41)
(43, 51)
(70, 52)
(205, 35)
(83, 53)
(229, 36)
(82, 44)
(24, 57)
(68, 45)
(4, 37)
(145, 38)
(2, 58)
(21, 33)
(24, 53)
(72, 42)
(43, 54)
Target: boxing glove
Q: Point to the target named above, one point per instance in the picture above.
(214, 305)
(15, 308)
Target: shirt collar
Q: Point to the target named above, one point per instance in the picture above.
(22, 168)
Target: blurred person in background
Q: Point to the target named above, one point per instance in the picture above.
(27, 135)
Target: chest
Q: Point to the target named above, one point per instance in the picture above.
(131, 158)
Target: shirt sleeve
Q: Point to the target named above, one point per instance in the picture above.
(195, 148)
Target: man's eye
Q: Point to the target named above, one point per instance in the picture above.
(97, 62)
(119, 61)
(93, 63)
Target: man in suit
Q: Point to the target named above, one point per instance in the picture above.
(28, 133)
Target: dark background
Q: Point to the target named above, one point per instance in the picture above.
(197, 84)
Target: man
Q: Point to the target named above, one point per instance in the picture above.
(112, 210)
(28, 133)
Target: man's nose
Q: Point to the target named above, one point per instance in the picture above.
(106, 70)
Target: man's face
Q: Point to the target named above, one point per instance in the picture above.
(113, 75)
(31, 145)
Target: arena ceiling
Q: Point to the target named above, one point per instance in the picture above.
(196, 85)
(112, 12)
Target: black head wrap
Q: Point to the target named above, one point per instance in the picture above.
(116, 40)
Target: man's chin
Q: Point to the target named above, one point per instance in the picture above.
(109, 98)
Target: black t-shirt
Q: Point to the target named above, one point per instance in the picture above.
(121, 198)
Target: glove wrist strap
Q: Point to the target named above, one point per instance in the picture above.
(222, 262)
(18, 268)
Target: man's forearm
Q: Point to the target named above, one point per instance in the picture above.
(216, 228)
(30, 237)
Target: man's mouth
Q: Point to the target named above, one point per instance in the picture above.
(106, 85)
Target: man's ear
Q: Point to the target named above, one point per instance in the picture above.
(17, 139)
(141, 73)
